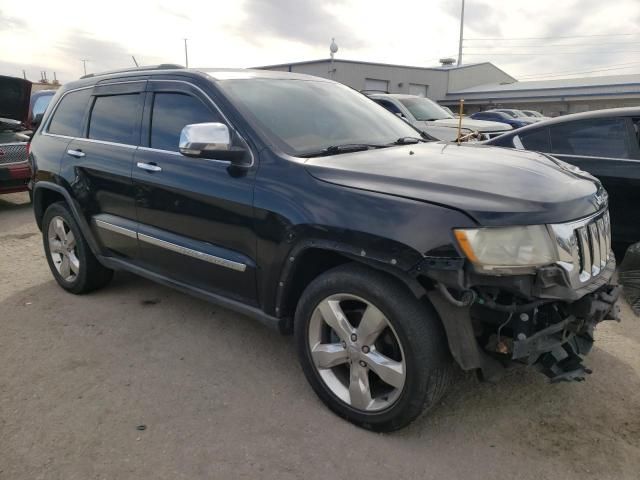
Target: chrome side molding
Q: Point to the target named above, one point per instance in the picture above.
(206, 257)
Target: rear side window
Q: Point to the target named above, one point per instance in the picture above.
(598, 137)
(114, 118)
(69, 114)
(171, 112)
(537, 140)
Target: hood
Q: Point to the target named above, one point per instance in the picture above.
(446, 134)
(14, 100)
(475, 125)
(494, 186)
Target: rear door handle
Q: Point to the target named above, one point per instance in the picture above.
(76, 153)
(149, 167)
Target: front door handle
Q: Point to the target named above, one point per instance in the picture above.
(150, 167)
(76, 153)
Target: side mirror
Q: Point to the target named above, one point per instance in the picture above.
(210, 140)
(400, 114)
(37, 119)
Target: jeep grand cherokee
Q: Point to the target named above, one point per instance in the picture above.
(304, 204)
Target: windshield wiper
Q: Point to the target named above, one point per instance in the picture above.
(345, 148)
(408, 141)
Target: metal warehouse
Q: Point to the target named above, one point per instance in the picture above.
(481, 85)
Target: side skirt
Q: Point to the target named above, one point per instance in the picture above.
(252, 312)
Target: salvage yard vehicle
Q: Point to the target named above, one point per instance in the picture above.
(430, 118)
(605, 143)
(14, 111)
(388, 257)
(500, 117)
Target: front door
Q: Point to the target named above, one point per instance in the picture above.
(195, 217)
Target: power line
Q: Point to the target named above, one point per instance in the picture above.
(569, 73)
(556, 45)
(607, 52)
(559, 36)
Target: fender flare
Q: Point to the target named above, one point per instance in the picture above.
(73, 205)
(353, 253)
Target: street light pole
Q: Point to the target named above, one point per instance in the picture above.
(186, 54)
(461, 30)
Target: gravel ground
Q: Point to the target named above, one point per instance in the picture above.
(220, 396)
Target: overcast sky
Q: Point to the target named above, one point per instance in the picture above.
(56, 35)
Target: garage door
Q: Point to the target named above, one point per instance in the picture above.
(375, 84)
(417, 89)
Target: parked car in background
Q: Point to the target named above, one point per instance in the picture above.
(604, 143)
(14, 112)
(535, 115)
(37, 106)
(501, 117)
(429, 117)
(514, 113)
(323, 215)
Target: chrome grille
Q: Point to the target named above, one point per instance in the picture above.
(583, 247)
(13, 153)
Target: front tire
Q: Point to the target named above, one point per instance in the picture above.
(372, 352)
(72, 263)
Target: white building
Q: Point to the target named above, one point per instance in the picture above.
(481, 85)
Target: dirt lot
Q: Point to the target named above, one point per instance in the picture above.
(223, 397)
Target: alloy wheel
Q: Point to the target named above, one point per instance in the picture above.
(357, 353)
(62, 248)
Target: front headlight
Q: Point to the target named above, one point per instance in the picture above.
(507, 249)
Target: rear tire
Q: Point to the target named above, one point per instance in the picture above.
(373, 353)
(72, 263)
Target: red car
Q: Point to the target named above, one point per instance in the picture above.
(15, 96)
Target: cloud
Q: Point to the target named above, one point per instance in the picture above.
(480, 17)
(305, 21)
(100, 54)
(8, 23)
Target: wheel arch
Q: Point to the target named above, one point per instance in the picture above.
(310, 259)
(47, 193)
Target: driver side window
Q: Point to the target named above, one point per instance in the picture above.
(170, 113)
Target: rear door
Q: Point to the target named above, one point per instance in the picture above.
(98, 165)
(195, 215)
(608, 149)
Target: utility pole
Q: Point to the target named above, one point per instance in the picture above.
(84, 65)
(186, 54)
(461, 30)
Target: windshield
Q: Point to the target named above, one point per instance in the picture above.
(306, 116)
(424, 109)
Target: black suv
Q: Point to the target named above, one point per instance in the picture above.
(304, 204)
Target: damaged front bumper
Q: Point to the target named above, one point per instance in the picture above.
(542, 320)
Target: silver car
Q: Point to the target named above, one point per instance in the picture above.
(429, 117)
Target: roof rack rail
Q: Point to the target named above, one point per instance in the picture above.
(162, 66)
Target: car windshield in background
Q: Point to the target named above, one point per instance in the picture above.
(305, 117)
(424, 110)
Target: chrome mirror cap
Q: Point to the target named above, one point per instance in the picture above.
(200, 138)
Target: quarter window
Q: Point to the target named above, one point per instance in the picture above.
(171, 112)
(114, 118)
(69, 114)
(598, 137)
